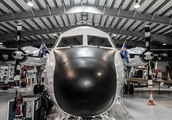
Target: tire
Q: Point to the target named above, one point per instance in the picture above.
(42, 88)
(125, 89)
(23, 84)
(35, 89)
(131, 89)
(9, 85)
(5, 88)
(42, 114)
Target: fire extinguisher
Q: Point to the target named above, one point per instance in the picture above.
(19, 107)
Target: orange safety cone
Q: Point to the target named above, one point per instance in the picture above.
(151, 99)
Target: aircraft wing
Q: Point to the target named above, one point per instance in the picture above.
(6, 54)
(162, 54)
(27, 56)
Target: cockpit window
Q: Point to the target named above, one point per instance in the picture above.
(70, 41)
(98, 41)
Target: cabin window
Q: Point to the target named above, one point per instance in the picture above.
(98, 41)
(71, 41)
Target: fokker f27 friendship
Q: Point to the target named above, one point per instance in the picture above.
(84, 71)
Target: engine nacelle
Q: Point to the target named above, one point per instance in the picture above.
(139, 56)
(18, 55)
(148, 55)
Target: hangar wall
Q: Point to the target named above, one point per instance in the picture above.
(162, 65)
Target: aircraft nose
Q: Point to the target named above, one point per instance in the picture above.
(84, 86)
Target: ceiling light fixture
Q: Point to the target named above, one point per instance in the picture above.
(1, 43)
(54, 34)
(164, 43)
(114, 35)
(137, 5)
(29, 3)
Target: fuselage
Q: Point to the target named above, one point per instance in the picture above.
(84, 72)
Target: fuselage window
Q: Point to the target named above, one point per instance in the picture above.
(98, 41)
(71, 41)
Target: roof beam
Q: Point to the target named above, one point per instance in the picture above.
(87, 9)
(117, 42)
(113, 3)
(96, 3)
(149, 6)
(155, 37)
(130, 4)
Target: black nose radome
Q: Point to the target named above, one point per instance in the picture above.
(85, 86)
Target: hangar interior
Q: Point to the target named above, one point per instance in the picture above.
(122, 20)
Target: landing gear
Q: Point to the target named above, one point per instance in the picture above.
(42, 88)
(128, 89)
(38, 89)
(6, 86)
(131, 91)
(42, 114)
(35, 89)
(46, 105)
(125, 89)
(23, 84)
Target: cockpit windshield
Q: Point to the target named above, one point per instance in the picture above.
(98, 41)
(71, 40)
(88, 40)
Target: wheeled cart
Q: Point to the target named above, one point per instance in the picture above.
(31, 108)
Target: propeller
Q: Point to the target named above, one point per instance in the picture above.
(17, 65)
(147, 42)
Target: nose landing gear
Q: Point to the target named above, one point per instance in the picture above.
(38, 89)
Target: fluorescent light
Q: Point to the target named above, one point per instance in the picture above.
(29, 3)
(137, 5)
(164, 43)
(54, 34)
(113, 35)
(1, 43)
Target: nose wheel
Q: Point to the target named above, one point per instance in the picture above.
(42, 114)
(38, 89)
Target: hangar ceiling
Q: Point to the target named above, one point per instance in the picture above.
(47, 19)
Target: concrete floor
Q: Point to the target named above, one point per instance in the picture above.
(136, 104)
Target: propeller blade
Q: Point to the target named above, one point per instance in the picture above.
(16, 68)
(147, 42)
(147, 37)
(19, 31)
(17, 65)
